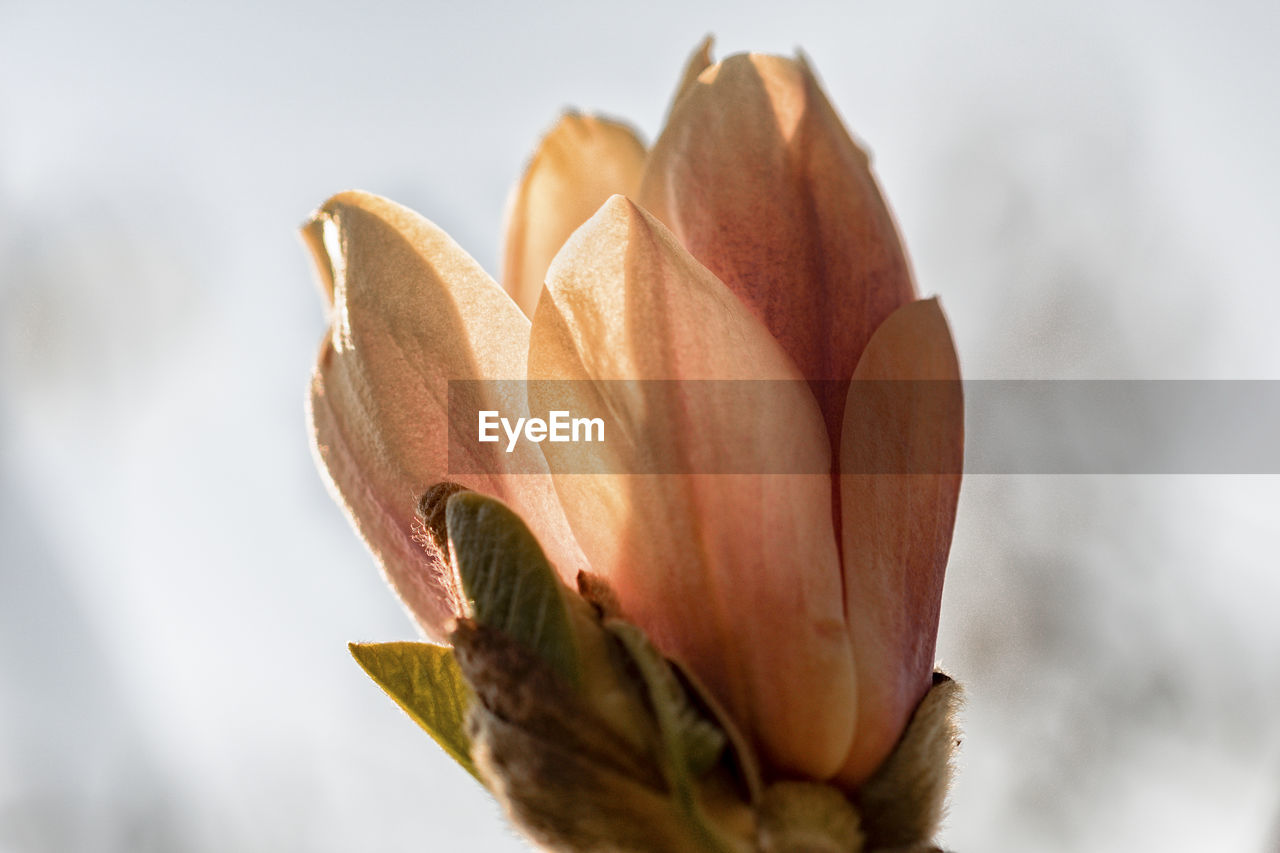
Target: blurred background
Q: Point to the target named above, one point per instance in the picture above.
(1092, 190)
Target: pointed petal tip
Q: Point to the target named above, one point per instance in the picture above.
(313, 239)
(328, 207)
(350, 198)
(578, 162)
(610, 229)
(797, 66)
(349, 201)
(616, 211)
(921, 329)
(322, 238)
(702, 54)
(924, 311)
(619, 205)
(698, 62)
(320, 233)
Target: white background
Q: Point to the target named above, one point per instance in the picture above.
(1093, 192)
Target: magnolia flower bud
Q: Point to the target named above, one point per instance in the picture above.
(712, 631)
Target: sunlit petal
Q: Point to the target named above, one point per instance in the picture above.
(581, 162)
(735, 575)
(410, 312)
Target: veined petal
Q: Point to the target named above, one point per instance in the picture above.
(410, 312)
(757, 177)
(581, 162)
(734, 575)
(905, 413)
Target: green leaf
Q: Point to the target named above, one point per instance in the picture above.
(425, 681)
(509, 584)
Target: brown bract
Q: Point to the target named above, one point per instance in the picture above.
(750, 243)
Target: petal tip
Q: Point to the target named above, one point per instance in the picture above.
(698, 62)
(928, 313)
(609, 226)
(702, 57)
(578, 162)
(618, 215)
(346, 198)
(312, 233)
(619, 205)
(914, 342)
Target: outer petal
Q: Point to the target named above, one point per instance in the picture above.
(579, 164)
(410, 312)
(735, 575)
(897, 526)
(761, 183)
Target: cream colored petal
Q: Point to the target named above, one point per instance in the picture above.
(411, 311)
(759, 180)
(733, 574)
(579, 164)
(896, 525)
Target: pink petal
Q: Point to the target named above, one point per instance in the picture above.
(410, 312)
(735, 575)
(897, 526)
(757, 177)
